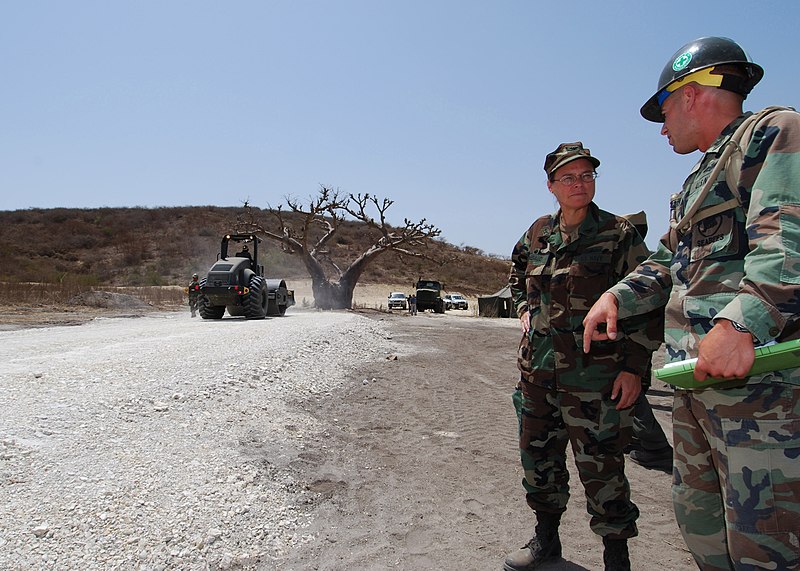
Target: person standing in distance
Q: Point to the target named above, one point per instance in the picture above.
(560, 266)
(727, 272)
(194, 294)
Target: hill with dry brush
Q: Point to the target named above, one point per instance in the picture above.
(135, 247)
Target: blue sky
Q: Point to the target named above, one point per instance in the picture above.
(446, 107)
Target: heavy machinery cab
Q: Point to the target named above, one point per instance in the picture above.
(242, 254)
(230, 272)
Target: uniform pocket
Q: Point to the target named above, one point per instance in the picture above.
(762, 468)
(516, 398)
(714, 237)
(525, 354)
(588, 281)
(590, 271)
(790, 234)
(537, 280)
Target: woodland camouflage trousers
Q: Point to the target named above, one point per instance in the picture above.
(598, 433)
(736, 488)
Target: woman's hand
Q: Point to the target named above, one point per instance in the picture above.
(626, 389)
(525, 321)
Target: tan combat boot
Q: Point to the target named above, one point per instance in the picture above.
(544, 546)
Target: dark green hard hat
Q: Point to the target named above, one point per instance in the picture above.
(697, 59)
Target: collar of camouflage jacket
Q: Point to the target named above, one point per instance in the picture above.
(588, 227)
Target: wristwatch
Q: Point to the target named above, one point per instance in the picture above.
(739, 327)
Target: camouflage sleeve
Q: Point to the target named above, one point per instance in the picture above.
(647, 287)
(516, 280)
(643, 332)
(768, 292)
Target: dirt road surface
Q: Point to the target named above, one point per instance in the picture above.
(323, 441)
(422, 467)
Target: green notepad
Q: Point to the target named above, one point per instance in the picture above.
(773, 357)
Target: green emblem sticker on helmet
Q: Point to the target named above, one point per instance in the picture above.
(682, 61)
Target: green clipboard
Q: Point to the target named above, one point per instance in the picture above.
(775, 357)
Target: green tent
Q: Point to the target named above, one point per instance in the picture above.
(499, 304)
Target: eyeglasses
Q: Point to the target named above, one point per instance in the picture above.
(570, 179)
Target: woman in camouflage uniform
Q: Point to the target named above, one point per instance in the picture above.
(560, 266)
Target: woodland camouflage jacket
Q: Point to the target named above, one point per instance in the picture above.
(741, 264)
(559, 282)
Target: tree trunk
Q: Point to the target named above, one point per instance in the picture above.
(329, 295)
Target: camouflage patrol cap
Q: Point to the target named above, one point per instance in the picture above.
(566, 153)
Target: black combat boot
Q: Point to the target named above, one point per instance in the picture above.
(615, 555)
(544, 546)
(653, 459)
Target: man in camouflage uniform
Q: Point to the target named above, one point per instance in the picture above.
(194, 294)
(560, 266)
(728, 275)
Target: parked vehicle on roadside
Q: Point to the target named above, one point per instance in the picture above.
(397, 300)
(456, 301)
(429, 296)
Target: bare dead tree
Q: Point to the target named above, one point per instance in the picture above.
(308, 234)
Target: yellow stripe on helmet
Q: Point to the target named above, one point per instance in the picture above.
(701, 76)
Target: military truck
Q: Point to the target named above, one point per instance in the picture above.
(429, 296)
(237, 283)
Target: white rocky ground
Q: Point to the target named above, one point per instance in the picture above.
(163, 442)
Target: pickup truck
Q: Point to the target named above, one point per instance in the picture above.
(397, 300)
(455, 301)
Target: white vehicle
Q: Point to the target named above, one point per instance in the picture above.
(456, 301)
(397, 300)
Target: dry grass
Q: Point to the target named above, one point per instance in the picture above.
(41, 294)
(365, 296)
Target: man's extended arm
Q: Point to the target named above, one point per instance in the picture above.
(642, 291)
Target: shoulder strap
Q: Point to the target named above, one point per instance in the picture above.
(730, 160)
(749, 126)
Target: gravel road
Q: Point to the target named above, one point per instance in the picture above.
(326, 441)
(163, 442)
